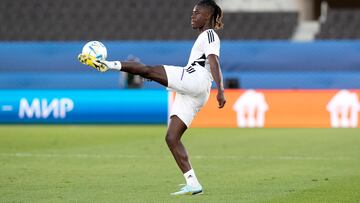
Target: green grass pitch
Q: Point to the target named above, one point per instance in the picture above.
(132, 164)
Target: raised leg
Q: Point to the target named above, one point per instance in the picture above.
(155, 73)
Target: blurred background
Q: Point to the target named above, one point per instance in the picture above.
(289, 66)
(267, 45)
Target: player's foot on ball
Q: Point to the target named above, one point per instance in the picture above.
(91, 61)
(189, 190)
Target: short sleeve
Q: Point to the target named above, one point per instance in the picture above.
(211, 43)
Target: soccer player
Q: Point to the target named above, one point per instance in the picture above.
(191, 83)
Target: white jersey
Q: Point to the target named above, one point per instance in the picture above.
(207, 43)
(192, 83)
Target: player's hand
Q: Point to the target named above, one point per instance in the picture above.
(221, 99)
(91, 61)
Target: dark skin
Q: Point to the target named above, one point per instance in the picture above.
(201, 21)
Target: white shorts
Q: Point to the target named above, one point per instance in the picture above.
(192, 87)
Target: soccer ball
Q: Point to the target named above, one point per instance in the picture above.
(95, 49)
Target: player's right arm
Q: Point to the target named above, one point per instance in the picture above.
(211, 45)
(217, 75)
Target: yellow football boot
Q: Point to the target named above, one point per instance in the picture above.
(91, 61)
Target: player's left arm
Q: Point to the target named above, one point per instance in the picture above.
(217, 75)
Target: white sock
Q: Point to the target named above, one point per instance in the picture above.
(116, 65)
(191, 179)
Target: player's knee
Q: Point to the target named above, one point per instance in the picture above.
(171, 140)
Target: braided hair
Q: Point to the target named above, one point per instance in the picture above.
(217, 13)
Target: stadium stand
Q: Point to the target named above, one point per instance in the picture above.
(260, 25)
(341, 24)
(39, 20)
(37, 29)
(64, 20)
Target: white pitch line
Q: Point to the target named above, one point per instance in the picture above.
(121, 156)
(72, 155)
(274, 157)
